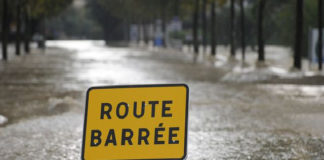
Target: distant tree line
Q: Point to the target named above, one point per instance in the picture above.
(237, 23)
(28, 17)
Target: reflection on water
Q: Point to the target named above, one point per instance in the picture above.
(311, 91)
(98, 65)
(76, 45)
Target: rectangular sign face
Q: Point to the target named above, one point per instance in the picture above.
(136, 122)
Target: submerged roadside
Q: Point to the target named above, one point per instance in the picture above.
(43, 98)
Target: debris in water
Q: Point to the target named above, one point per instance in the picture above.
(3, 120)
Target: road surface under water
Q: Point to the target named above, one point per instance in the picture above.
(43, 94)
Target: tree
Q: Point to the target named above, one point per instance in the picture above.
(163, 4)
(27, 33)
(36, 11)
(213, 29)
(233, 34)
(140, 12)
(18, 21)
(195, 28)
(299, 34)
(204, 24)
(46, 8)
(242, 29)
(100, 12)
(261, 56)
(320, 35)
(176, 7)
(5, 29)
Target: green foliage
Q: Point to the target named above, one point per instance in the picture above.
(75, 23)
(135, 9)
(46, 8)
(37, 8)
(178, 35)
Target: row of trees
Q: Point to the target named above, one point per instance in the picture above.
(116, 15)
(217, 22)
(27, 16)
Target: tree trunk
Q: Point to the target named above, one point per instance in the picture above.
(299, 34)
(242, 29)
(204, 25)
(42, 30)
(232, 36)
(195, 28)
(213, 29)
(145, 33)
(27, 32)
(126, 30)
(320, 35)
(176, 7)
(5, 29)
(163, 18)
(139, 35)
(261, 56)
(18, 34)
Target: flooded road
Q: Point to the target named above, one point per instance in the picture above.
(43, 94)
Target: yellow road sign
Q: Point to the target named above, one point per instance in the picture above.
(136, 122)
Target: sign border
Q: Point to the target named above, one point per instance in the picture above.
(138, 86)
